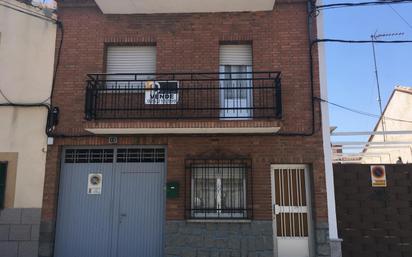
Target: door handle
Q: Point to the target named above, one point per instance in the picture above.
(122, 216)
(276, 209)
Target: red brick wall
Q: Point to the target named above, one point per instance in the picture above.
(262, 150)
(190, 43)
(186, 43)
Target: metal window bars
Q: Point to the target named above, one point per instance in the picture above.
(218, 189)
(291, 207)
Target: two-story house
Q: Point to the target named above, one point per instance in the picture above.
(186, 128)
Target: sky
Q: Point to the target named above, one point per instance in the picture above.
(350, 68)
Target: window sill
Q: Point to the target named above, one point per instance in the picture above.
(219, 221)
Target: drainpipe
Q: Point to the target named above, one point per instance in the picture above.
(335, 241)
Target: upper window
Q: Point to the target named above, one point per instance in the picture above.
(220, 189)
(132, 60)
(235, 55)
(3, 171)
(236, 81)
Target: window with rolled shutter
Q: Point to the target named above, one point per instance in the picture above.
(236, 55)
(131, 60)
(236, 88)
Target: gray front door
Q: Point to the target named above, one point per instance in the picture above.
(124, 219)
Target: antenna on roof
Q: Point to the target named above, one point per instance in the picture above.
(375, 37)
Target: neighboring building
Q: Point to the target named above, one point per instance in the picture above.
(27, 43)
(200, 132)
(399, 107)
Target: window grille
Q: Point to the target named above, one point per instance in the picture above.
(88, 156)
(107, 155)
(218, 189)
(141, 155)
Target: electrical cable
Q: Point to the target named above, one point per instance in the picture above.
(5, 97)
(362, 112)
(400, 16)
(372, 3)
(310, 8)
(51, 119)
(361, 41)
(60, 25)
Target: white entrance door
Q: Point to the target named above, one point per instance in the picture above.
(290, 210)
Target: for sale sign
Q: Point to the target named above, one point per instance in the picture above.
(161, 92)
(378, 175)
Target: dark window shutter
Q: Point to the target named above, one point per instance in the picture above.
(3, 171)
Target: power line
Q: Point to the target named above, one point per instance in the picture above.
(400, 16)
(343, 5)
(332, 40)
(60, 25)
(5, 97)
(361, 112)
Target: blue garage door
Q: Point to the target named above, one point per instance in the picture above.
(111, 203)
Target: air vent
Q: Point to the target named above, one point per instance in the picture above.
(89, 156)
(141, 155)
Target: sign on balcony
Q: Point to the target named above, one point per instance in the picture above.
(161, 92)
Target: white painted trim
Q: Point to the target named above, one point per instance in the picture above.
(359, 154)
(327, 149)
(182, 6)
(367, 133)
(288, 166)
(131, 131)
(218, 221)
(373, 143)
(274, 227)
(371, 147)
(308, 208)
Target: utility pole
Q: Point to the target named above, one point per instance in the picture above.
(375, 37)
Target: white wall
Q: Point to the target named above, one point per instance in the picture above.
(182, 6)
(27, 46)
(400, 107)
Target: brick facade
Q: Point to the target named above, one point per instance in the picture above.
(190, 43)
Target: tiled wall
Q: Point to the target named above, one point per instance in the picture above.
(19, 232)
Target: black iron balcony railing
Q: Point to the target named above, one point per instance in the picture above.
(239, 95)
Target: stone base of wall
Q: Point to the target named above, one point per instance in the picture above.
(336, 248)
(188, 239)
(46, 239)
(19, 232)
(208, 239)
(322, 240)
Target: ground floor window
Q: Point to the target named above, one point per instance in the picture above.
(218, 189)
(3, 170)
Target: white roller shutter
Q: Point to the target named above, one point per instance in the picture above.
(236, 55)
(131, 59)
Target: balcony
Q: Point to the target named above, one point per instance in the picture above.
(184, 96)
(182, 6)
